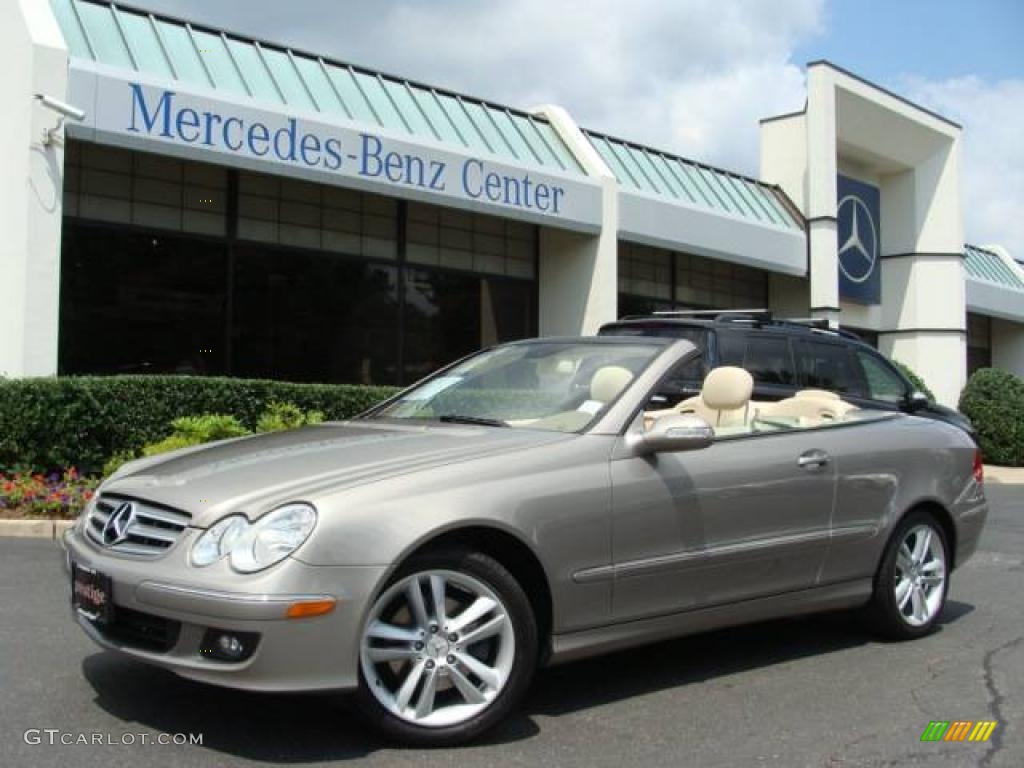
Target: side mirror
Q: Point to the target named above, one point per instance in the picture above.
(676, 432)
(917, 400)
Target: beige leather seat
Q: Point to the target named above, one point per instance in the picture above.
(724, 399)
(606, 384)
(806, 410)
(821, 394)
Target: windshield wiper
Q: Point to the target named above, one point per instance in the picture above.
(454, 419)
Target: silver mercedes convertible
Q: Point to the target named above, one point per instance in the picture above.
(534, 503)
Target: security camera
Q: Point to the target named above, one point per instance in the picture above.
(61, 108)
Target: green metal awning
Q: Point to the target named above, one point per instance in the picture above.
(652, 171)
(985, 265)
(277, 76)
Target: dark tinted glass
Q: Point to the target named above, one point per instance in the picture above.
(731, 347)
(882, 381)
(141, 303)
(450, 314)
(303, 316)
(768, 360)
(831, 367)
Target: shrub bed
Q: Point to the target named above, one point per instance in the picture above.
(82, 421)
(994, 402)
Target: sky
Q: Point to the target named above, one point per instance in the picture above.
(690, 76)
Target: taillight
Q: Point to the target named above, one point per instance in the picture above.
(979, 467)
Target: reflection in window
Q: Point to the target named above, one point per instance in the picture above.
(304, 316)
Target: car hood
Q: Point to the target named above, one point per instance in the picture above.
(252, 474)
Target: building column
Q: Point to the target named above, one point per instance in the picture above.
(822, 242)
(578, 274)
(31, 188)
(924, 305)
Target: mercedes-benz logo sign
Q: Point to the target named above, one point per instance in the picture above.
(859, 252)
(116, 528)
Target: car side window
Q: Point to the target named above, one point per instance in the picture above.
(731, 347)
(769, 360)
(883, 382)
(831, 367)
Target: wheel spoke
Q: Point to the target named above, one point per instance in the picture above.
(477, 610)
(438, 588)
(469, 692)
(484, 631)
(934, 565)
(903, 590)
(489, 676)
(414, 595)
(921, 544)
(426, 703)
(904, 561)
(382, 631)
(380, 655)
(404, 695)
(920, 604)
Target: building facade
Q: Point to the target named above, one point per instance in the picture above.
(185, 200)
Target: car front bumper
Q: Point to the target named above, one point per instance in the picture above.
(167, 598)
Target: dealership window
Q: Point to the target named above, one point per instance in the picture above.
(468, 241)
(137, 302)
(652, 279)
(122, 187)
(308, 283)
(979, 342)
(283, 211)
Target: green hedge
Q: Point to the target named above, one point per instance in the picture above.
(994, 402)
(47, 423)
(916, 380)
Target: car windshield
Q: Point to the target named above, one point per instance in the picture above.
(550, 385)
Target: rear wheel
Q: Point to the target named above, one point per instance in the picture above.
(448, 649)
(913, 579)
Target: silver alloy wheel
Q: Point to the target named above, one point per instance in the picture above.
(437, 648)
(920, 575)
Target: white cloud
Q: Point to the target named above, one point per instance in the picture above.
(992, 114)
(690, 76)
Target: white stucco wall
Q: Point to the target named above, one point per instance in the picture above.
(35, 61)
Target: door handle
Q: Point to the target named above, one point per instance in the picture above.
(813, 459)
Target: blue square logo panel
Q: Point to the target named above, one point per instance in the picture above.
(858, 227)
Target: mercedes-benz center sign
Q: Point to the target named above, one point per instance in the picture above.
(198, 126)
(860, 276)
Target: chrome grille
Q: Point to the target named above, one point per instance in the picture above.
(145, 529)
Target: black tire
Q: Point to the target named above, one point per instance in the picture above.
(883, 612)
(492, 573)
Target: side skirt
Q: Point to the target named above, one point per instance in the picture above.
(614, 637)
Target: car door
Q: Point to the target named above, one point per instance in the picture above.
(746, 517)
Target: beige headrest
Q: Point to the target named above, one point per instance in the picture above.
(608, 382)
(727, 388)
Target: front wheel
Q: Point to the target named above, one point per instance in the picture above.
(913, 579)
(448, 649)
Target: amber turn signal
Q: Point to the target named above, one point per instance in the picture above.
(310, 608)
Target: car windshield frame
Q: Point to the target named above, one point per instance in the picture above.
(650, 349)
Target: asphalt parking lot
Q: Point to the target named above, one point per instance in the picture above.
(810, 692)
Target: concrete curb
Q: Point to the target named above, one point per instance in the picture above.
(1004, 475)
(35, 529)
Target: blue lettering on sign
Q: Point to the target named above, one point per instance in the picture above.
(375, 160)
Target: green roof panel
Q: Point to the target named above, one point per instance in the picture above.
(988, 266)
(676, 178)
(134, 40)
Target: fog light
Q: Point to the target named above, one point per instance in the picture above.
(230, 646)
(224, 645)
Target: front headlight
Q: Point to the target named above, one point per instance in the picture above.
(254, 546)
